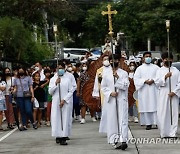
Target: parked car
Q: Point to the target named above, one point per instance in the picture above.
(96, 52)
(74, 54)
(155, 54)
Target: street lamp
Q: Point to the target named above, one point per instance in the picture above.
(168, 27)
(55, 30)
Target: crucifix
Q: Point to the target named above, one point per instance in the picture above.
(109, 13)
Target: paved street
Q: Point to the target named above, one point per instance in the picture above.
(85, 139)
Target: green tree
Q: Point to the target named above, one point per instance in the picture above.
(18, 43)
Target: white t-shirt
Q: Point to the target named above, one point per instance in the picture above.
(2, 93)
(131, 75)
(8, 85)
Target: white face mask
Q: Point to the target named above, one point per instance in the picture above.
(36, 68)
(84, 68)
(106, 63)
(69, 69)
(132, 68)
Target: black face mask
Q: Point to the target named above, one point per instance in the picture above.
(8, 74)
(168, 63)
(21, 73)
(116, 64)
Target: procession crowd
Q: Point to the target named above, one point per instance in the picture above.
(28, 96)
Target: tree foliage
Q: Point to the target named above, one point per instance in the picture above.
(140, 20)
(18, 42)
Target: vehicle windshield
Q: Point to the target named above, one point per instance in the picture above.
(76, 52)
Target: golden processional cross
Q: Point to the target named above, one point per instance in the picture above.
(109, 13)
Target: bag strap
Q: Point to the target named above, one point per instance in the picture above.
(21, 85)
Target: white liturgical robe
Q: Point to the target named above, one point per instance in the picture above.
(121, 109)
(97, 92)
(163, 108)
(147, 94)
(66, 91)
(73, 82)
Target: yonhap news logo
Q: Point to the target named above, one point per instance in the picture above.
(153, 140)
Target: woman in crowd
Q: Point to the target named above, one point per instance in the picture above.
(80, 83)
(133, 113)
(8, 95)
(23, 87)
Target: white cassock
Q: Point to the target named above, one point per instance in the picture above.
(147, 94)
(66, 89)
(163, 108)
(108, 86)
(73, 82)
(96, 93)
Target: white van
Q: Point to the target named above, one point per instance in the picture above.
(74, 54)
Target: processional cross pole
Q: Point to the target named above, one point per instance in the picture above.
(110, 13)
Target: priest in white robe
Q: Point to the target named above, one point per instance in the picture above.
(144, 78)
(61, 104)
(116, 98)
(69, 75)
(98, 94)
(163, 111)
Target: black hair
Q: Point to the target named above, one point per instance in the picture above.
(35, 74)
(115, 56)
(47, 71)
(68, 62)
(62, 64)
(146, 52)
(165, 55)
(78, 64)
(24, 69)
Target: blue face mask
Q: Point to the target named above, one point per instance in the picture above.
(148, 60)
(61, 72)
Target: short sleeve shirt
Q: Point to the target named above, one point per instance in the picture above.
(22, 84)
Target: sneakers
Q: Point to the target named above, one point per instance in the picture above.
(93, 119)
(22, 128)
(77, 117)
(48, 123)
(83, 121)
(35, 125)
(130, 119)
(136, 120)
(1, 128)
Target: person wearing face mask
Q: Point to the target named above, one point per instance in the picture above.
(144, 78)
(163, 111)
(39, 68)
(8, 94)
(97, 93)
(23, 83)
(61, 102)
(133, 113)
(114, 86)
(70, 75)
(84, 77)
